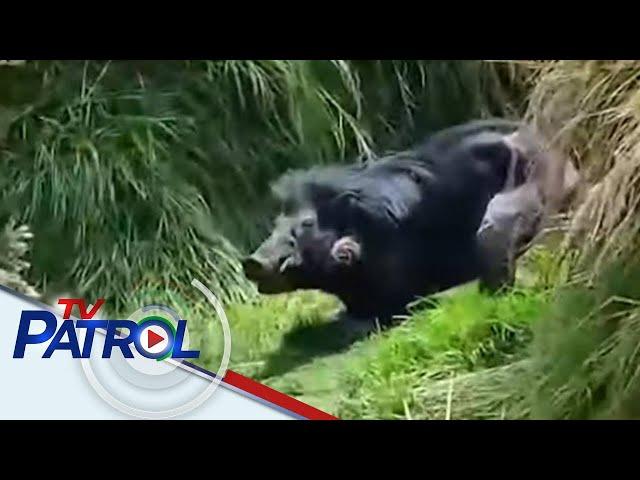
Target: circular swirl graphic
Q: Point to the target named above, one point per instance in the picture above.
(151, 385)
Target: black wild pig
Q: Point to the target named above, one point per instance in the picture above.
(381, 234)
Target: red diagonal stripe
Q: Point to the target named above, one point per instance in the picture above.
(276, 397)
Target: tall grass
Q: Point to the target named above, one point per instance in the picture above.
(585, 356)
(591, 109)
(147, 172)
(584, 359)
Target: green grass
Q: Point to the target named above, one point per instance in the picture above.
(585, 359)
(466, 332)
(540, 351)
(293, 343)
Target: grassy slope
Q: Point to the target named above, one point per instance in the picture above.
(293, 343)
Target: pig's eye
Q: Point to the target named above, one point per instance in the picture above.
(308, 222)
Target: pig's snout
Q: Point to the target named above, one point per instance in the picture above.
(266, 275)
(256, 268)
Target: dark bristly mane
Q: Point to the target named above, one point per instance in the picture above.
(365, 193)
(320, 183)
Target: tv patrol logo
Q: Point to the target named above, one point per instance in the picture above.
(135, 365)
(154, 336)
